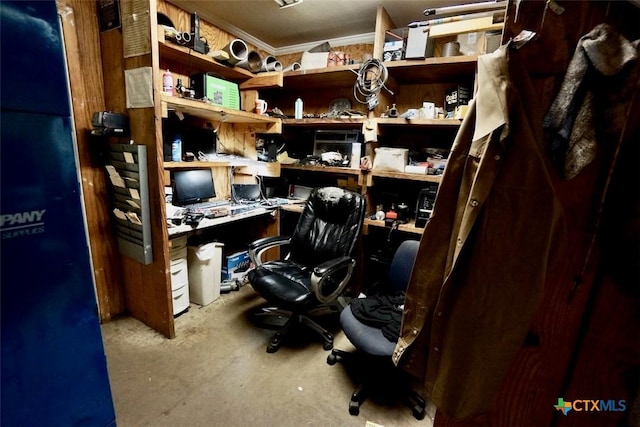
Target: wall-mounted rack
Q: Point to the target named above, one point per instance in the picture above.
(128, 175)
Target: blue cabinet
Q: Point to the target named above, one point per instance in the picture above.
(53, 364)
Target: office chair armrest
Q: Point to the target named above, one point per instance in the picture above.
(326, 271)
(260, 246)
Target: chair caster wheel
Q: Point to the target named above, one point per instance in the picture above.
(332, 359)
(418, 412)
(327, 345)
(273, 346)
(354, 408)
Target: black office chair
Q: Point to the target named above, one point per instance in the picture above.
(370, 337)
(317, 266)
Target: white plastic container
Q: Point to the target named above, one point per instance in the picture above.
(178, 248)
(167, 83)
(180, 297)
(179, 272)
(298, 109)
(205, 272)
(180, 284)
(391, 159)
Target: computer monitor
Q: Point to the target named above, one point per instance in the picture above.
(246, 192)
(192, 186)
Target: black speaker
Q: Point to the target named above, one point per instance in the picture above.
(424, 207)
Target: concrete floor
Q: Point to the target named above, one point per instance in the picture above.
(216, 372)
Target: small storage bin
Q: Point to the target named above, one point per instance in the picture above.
(178, 248)
(179, 269)
(391, 159)
(180, 296)
(179, 272)
(205, 272)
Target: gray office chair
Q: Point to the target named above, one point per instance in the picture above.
(317, 266)
(370, 337)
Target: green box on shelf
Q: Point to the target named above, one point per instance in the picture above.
(218, 91)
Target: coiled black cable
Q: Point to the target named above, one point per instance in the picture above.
(372, 76)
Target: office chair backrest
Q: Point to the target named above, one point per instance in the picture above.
(328, 227)
(402, 265)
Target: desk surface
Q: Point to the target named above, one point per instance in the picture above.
(212, 222)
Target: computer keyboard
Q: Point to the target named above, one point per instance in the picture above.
(203, 207)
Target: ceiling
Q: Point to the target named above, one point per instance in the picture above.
(297, 28)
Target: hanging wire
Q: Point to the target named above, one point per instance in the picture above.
(372, 77)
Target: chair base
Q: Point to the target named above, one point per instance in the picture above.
(390, 378)
(293, 324)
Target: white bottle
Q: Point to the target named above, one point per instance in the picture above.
(167, 82)
(298, 109)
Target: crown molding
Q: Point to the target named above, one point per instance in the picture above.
(339, 41)
(303, 47)
(237, 32)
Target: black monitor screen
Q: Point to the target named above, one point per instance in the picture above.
(192, 186)
(246, 192)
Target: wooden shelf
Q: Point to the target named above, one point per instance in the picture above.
(321, 123)
(418, 122)
(382, 122)
(430, 70)
(242, 166)
(408, 71)
(407, 228)
(217, 113)
(323, 169)
(202, 63)
(196, 165)
(324, 78)
(407, 176)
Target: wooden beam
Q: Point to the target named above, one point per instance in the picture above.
(384, 23)
(84, 59)
(466, 26)
(264, 80)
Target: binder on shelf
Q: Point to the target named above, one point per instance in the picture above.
(128, 175)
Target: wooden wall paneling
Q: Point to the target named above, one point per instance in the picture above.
(178, 70)
(82, 45)
(355, 51)
(386, 98)
(113, 71)
(289, 58)
(216, 37)
(222, 182)
(538, 375)
(315, 101)
(412, 96)
(248, 100)
(238, 139)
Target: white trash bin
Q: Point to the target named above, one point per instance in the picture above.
(205, 272)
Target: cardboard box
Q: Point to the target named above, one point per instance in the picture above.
(394, 44)
(456, 96)
(391, 159)
(460, 112)
(236, 265)
(312, 60)
(419, 44)
(472, 43)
